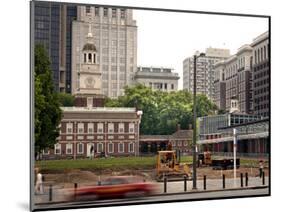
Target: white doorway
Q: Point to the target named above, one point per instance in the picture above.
(89, 145)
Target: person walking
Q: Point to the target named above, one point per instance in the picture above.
(39, 183)
(260, 168)
(92, 152)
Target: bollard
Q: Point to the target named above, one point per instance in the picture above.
(204, 182)
(263, 178)
(246, 176)
(75, 190)
(185, 184)
(223, 181)
(50, 193)
(165, 184)
(241, 179)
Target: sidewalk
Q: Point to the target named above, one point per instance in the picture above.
(61, 195)
(212, 184)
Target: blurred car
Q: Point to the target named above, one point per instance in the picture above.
(115, 187)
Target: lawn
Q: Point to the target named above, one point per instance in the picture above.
(118, 163)
(103, 163)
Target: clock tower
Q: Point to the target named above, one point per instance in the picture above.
(89, 75)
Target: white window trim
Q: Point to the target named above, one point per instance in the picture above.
(102, 128)
(109, 128)
(98, 147)
(46, 153)
(131, 124)
(110, 143)
(121, 126)
(90, 126)
(133, 149)
(57, 147)
(79, 127)
(69, 128)
(66, 152)
(78, 148)
(119, 147)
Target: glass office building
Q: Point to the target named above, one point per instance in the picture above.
(53, 26)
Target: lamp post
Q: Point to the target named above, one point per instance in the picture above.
(194, 122)
(234, 154)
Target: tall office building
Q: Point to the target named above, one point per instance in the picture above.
(245, 77)
(53, 29)
(204, 71)
(261, 73)
(115, 38)
(233, 81)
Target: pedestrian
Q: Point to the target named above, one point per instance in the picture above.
(39, 183)
(260, 168)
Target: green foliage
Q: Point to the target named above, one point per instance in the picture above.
(47, 106)
(162, 111)
(66, 99)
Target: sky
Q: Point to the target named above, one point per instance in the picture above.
(167, 38)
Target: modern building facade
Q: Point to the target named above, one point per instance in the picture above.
(108, 131)
(216, 134)
(204, 71)
(53, 26)
(261, 75)
(157, 78)
(115, 37)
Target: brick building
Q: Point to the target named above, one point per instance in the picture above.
(108, 131)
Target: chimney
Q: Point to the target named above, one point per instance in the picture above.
(178, 127)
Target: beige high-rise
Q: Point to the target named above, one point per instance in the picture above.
(115, 37)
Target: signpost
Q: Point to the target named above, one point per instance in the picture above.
(234, 154)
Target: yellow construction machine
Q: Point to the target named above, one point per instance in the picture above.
(168, 166)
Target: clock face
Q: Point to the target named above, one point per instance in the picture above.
(89, 81)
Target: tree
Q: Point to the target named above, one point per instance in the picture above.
(66, 99)
(47, 106)
(162, 111)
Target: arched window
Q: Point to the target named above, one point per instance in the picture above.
(261, 54)
(255, 56)
(85, 57)
(94, 58)
(258, 55)
(89, 58)
(264, 48)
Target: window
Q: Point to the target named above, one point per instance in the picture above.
(131, 127)
(96, 11)
(100, 127)
(68, 149)
(80, 127)
(172, 86)
(122, 13)
(110, 128)
(121, 147)
(69, 128)
(105, 12)
(89, 58)
(110, 147)
(88, 9)
(121, 127)
(80, 148)
(85, 57)
(57, 149)
(131, 147)
(100, 147)
(113, 13)
(46, 151)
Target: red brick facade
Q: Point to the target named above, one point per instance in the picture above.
(82, 128)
